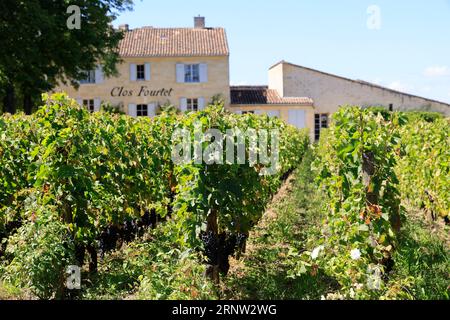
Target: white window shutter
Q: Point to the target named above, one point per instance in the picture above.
(292, 118)
(132, 72)
(147, 72)
(297, 118)
(203, 72)
(259, 112)
(238, 111)
(151, 110)
(80, 102)
(180, 72)
(201, 104)
(99, 75)
(132, 110)
(97, 103)
(183, 104)
(301, 119)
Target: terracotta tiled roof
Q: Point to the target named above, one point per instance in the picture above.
(174, 42)
(263, 95)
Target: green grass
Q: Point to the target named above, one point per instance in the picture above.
(9, 292)
(422, 260)
(266, 273)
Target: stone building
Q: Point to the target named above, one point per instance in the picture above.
(187, 67)
(329, 92)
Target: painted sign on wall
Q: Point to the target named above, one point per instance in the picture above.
(144, 91)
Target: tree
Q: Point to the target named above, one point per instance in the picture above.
(38, 49)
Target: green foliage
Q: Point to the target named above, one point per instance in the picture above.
(40, 50)
(355, 167)
(114, 109)
(91, 171)
(149, 268)
(41, 250)
(98, 169)
(237, 193)
(17, 138)
(424, 164)
(217, 99)
(409, 116)
(385, 113)
(413, 116)
(423, 158)
(66, 174)
(168, 109)
(175, 275)
(294, 225)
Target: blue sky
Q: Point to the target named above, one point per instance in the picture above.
(409, 52)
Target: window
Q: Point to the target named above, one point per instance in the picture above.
(89, 104)
(320, 122)
(248, 112)
(391, 107)
(140, 72)
(142, 110)
(192, 104)
(90, 77)
(191, 73)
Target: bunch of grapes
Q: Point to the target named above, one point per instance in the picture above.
(129, 230)
(79, 253)
(2, 245)
(211, 246)
(108, 239)
(230, 245)
(145, 220)
(12, 227)
(227, 247)
(153, 219)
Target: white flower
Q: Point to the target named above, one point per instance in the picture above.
(352, 293)
(316, 252)
(359, 286)
(355, 254)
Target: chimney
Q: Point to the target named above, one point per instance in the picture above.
(199, 22)
(124, 27)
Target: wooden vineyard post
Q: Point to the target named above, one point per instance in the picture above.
(212, 271)
(368, 172)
